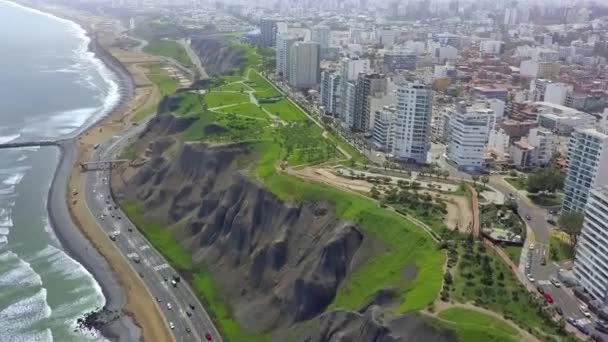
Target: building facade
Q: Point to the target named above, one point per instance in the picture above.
(413, 122)
(330, 92)
(469, 133)
(304, 67)
(591, 261)
(587, 167)
(350, 70)
(268, 31)
(367, 85)
(395, 60)
(282, 46)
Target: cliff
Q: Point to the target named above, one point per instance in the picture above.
(218, 57)
(278, 264)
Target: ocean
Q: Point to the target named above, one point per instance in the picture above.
(50, 87)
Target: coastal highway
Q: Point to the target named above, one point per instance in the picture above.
(189, 324)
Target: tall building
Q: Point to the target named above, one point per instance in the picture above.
(469, 132)
(383, 133)
(322, 35)
(350, 70)
(591, 261)
(268, 31)
(282, 46)
(587, 166)
(413, 122)
(367, 85)
(304, 67)
(400, 59)
(330, 92)
(348, 103)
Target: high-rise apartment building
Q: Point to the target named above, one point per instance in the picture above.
(322, 35)
(383, 133)
(367, 85)
(469, 132)
(304, 67)
(587, 166)
(350, 70)
(413, 122)
(591, 261)
(282, 46)
(268, 31)
(330, 92)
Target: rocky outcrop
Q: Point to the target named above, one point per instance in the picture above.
(279, 263)
(218, 57)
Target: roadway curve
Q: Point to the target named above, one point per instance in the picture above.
(153, 267)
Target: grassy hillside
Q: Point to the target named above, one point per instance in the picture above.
(169, 48)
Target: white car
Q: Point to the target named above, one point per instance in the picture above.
(531, 247)
(555, 282)
(169, 306)
(171, 325)
(584, 310)
(530, 277)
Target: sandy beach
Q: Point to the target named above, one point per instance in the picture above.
(74, 225)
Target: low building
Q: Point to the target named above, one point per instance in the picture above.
(562, 119)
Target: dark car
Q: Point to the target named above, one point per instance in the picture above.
(582, 329)
(130, 229)
(571, 320)
(188, 330)
(559, 310)
(528, 217)
(192, 307)
(540, 289)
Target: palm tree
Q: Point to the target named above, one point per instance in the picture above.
(475, 178)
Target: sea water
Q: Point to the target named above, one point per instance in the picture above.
(50, 87)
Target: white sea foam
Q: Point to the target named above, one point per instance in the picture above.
(18, 319)
(8, 138)
(21, 272)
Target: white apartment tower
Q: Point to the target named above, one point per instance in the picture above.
(469, 132)
(587, 166)
(282, 46)
(591, 262)
(350, 70)
(330, 92)
(413, 123)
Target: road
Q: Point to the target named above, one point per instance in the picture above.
(153, 268)
(194, 58)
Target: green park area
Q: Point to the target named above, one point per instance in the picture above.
(404, 257)
(472, 325)
(169, 48)
(166, 86)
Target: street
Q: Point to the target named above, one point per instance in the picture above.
(153, 267)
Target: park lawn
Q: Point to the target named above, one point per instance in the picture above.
(506, 295)
(476, 326)
(218, 99)
(166, 85)
(169, 48)
(514, 253)
(261, 86)
(232, 78)
(405, 244)
(559, 250)
(233, 87)
(189, 103)
(248, 109)
(285, 110)
(518, 183)
(227, 128)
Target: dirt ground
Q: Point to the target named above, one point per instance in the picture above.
(459, 209)
(140, 303)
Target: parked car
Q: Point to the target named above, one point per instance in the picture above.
(559, 310)
(208, 337)
(548, 298)
(571, 320)
(530, 277)
(582, 329)
(555, 282)
(540, 289)
(584, 310)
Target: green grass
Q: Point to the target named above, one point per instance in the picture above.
(189, 103)
(514, 253)
(144, 113)
(231, 331)
(473, 326)
(518, 183)
(218, 99)
(223, 128)
(161, 238)
(559, 250)
(232, 87)
(261, 86)
(166, 85)
(405, 243)
(285, 110)
(169, 48)
(247, 109)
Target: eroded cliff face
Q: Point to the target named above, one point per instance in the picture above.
(217, 57)
(278, 264)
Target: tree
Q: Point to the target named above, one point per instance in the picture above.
(485, 180)
(374, 192)
(445, 174)
(475, 178)
(545, 180)
(571, 222)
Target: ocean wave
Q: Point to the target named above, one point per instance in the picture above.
(17, 321)
(21, 272)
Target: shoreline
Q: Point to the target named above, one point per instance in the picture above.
(71, 237)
